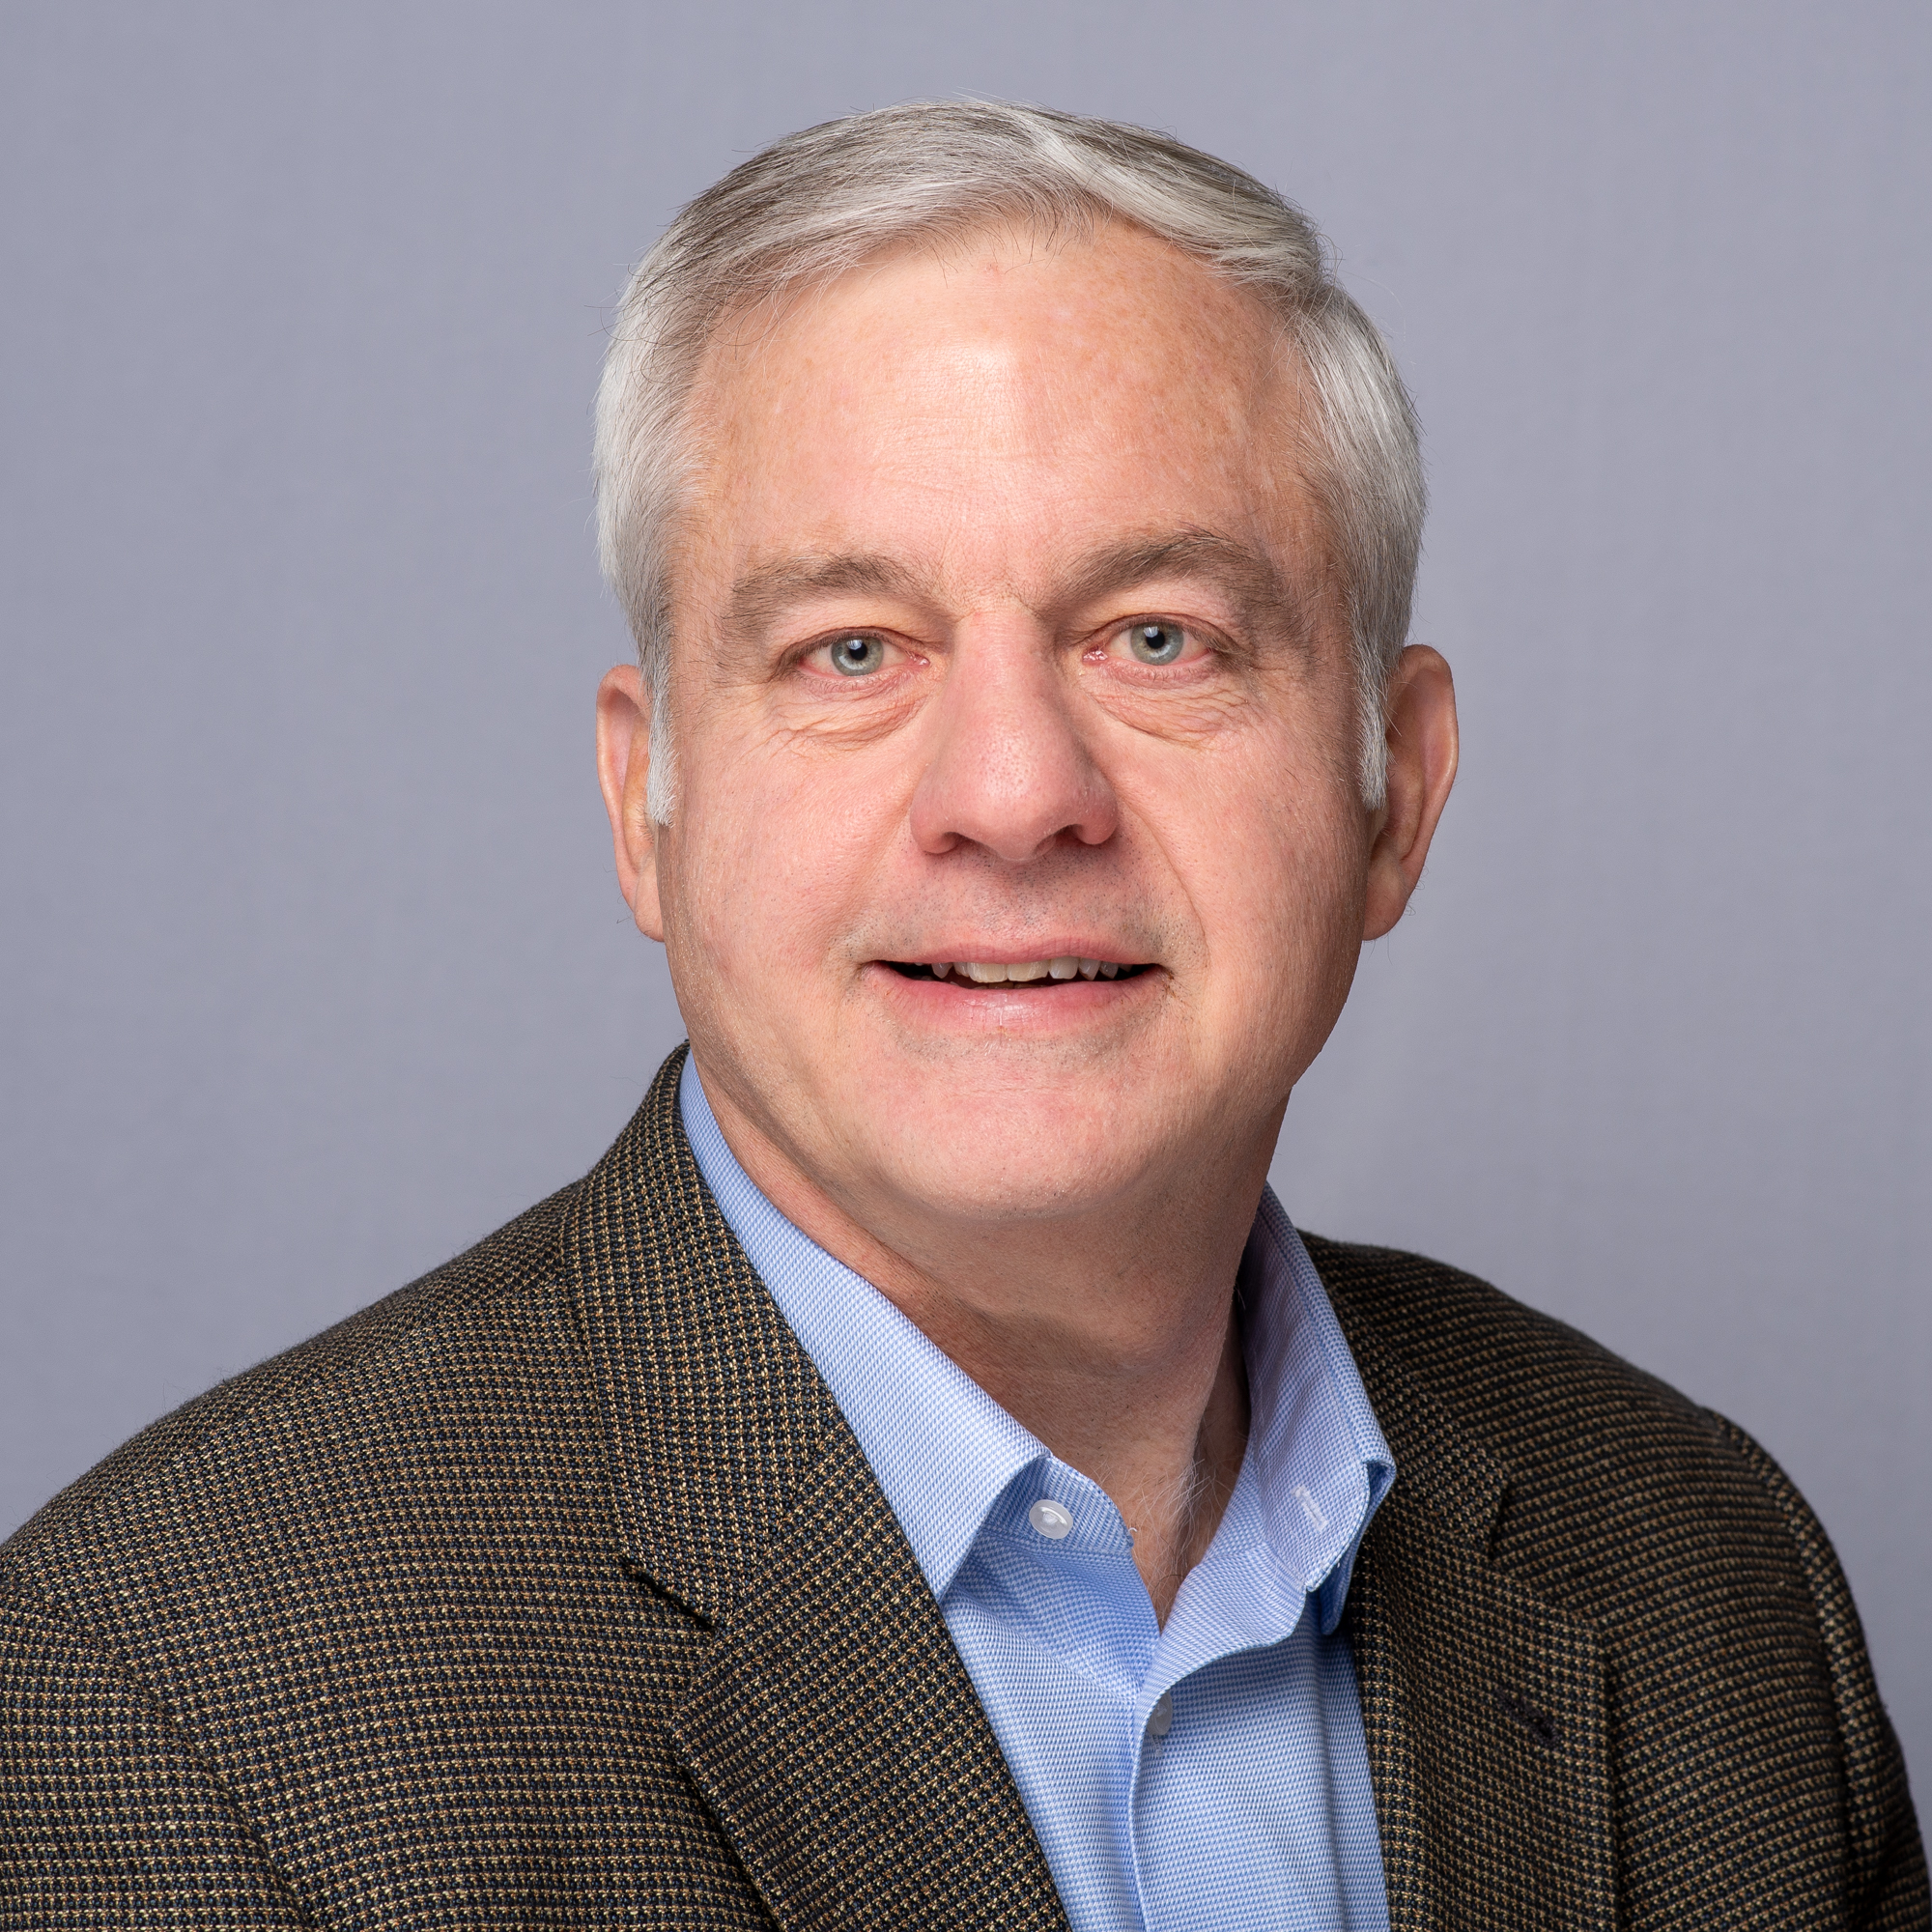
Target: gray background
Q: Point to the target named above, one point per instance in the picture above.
(314, 967)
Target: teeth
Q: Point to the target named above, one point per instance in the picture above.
(1023, 971)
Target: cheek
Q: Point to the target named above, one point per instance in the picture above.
(1290, 942)
(1279, 869)
(768, 867)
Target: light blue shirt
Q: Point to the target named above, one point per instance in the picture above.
(1207, 1773)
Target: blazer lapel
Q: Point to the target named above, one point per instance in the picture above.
(1484, 1706)
(831, 1727)
(837, 1736)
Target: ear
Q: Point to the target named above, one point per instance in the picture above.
(1422, 748)
(623, 770)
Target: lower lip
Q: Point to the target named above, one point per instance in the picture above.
(1032, 1008)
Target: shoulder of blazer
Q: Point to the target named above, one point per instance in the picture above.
(555, 1580)
(1612, 1479)
(517, 1255)
(1737, 1702)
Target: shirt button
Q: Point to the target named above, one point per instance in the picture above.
(1160, 1719)
(1050, 1519)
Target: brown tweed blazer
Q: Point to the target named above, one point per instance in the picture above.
(554, 1591)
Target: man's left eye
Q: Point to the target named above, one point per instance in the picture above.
(856, 656)
(1156, 643)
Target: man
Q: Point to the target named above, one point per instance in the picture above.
(920, 1477)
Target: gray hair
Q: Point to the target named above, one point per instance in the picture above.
(819, 203)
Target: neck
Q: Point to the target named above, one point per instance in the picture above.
(1111, 1338)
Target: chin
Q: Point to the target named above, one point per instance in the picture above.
(1020, 1158)
(989, 1196)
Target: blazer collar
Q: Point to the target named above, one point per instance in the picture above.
(831, 1727)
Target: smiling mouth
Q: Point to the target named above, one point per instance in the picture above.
(1043, 973)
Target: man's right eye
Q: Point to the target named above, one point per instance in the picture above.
(856, 656)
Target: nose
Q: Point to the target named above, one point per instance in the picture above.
(1008, 769)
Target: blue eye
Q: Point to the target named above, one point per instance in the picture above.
(1156, 643)
(857, 656)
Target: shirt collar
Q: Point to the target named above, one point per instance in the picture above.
(1322, 1464)
(942, 1448)
(945, 1452)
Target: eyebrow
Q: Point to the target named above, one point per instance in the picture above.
(761, 596)
(1247, 576)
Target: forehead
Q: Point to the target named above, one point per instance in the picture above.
(987, 406)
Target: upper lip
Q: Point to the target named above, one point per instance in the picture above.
(985, 954)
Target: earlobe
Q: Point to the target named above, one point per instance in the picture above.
(1422, 756)
(623, 771)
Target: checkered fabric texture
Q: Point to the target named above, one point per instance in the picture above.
(554, 1591)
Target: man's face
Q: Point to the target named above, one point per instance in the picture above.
(1007, 637)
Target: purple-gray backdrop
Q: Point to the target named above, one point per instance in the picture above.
(314, 970)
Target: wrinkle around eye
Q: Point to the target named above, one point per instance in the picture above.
(811, 701)
(1193, 699)
(1188, 712)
